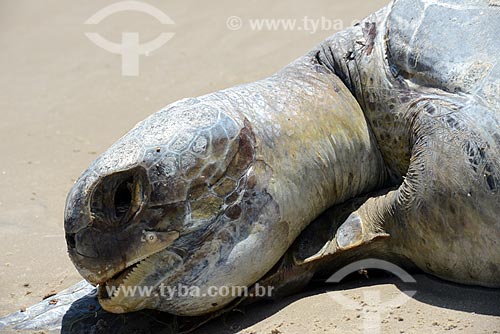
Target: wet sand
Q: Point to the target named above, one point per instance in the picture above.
(64, 101)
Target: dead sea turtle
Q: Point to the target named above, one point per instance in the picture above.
(221, 190)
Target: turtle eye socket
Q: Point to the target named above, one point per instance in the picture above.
(119, 197)
(123, 197)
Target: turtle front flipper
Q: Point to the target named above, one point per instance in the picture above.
(444, 215)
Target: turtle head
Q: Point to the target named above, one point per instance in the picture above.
(162, 208)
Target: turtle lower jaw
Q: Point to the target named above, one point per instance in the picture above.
(123, 292)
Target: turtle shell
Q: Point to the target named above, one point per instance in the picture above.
(452, 45)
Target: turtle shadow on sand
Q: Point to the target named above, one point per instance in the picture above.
(430, 291)
(86, 316)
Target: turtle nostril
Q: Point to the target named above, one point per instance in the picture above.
(70, 240)
(123, 197)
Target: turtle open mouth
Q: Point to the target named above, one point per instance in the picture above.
(123, 285)
(110, 288)
(126, 289)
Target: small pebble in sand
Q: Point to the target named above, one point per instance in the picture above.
(22, 309)
(450, 327)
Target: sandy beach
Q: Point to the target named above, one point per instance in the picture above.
(64, 100)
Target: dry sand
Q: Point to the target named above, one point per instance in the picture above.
(64, 100)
